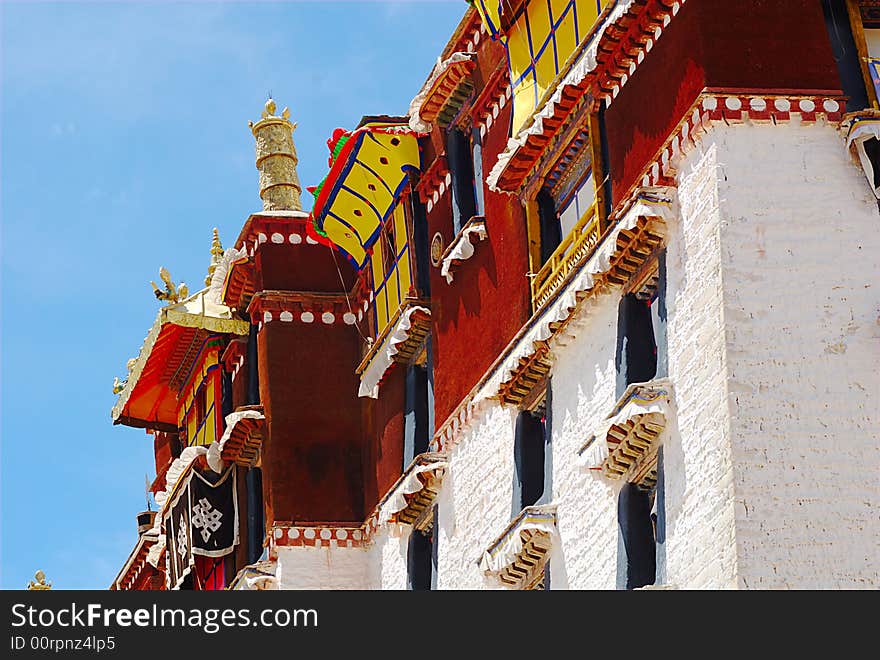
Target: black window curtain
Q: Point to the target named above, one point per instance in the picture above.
(422, 245)
(636, 358)
(226, 394)
(638, 561)
(843, 46)
(419, 561)
(461, 167)
(528, 460)
(256, 524)
(551, 228)
(416, 434)
(253, 391)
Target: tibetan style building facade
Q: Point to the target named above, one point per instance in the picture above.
(600, 311)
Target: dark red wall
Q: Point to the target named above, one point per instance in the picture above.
(383, 460)
(302, 267)
(476, 316)
(240, 386)
(312, 458)
(746, 44)
(162, 451)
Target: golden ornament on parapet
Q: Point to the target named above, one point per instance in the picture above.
(40, 584)
(172, 293)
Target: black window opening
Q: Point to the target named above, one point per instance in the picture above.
(533, 466)
(226, 394)
(641, 357)
(461, 168)
(532, 456)
(639, 546)
(253, 389)
(421, 559)
(177, 442)
(422, 245)
(417, 402)
(549, 224)
(256, 522)
(421, 556)
(388, 241)
(636, 358)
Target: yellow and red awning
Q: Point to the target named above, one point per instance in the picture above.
(149, 397)
(369, 168)
(540, 37)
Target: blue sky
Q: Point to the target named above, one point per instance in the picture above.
(124, 141)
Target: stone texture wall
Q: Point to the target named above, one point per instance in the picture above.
(801, 287)
(583, 382)
(389, 557)
(325, 568)
(476, 500)
(700, 543)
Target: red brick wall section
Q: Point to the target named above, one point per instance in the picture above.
(755, 44)
(312, 457)
(384, 451)
(162, 450)
(302, 267)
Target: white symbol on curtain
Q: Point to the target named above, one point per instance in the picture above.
(206, 518)
(181, 537)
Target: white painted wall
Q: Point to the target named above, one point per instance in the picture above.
(325, 568)
(389, 557)
(475, 502)
(800, 252)
(700, 542)
(584, 380)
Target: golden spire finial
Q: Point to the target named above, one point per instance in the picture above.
(216, 256)
(276, 160)
(40, 584)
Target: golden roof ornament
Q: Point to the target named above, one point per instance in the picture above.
(172, 293)
(216, 256)
(40, 584)
(276, 160)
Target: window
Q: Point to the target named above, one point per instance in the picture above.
(532, 455)
(477, 153)
(226, 393)
(550, 226)
(201, 407)
(256, 524)
(639, 548)
(636, 358)
(253, 391)
(416, 430)
(461, 168)
(641, 357)
(389, 246)
(421, 560)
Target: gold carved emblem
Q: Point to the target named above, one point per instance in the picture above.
(437, 248)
